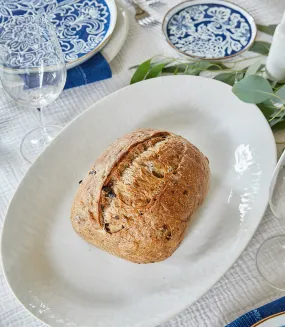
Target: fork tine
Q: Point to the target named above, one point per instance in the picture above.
(141, 22)
(142, 17)
(155, 3)
(144, 21)
(147, 20)
(152, 21)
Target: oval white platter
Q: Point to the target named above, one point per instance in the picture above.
(64, 281)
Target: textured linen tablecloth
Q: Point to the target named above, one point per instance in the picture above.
(241, 289)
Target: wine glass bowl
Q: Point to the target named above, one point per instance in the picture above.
(277, 190)
(32, 72)
(270, 258)
(270, 261)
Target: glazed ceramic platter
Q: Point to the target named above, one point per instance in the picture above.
(83, 26)
(211, 29)
(64, 281)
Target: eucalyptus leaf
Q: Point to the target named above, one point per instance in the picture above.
(176, 71)
(203, 65)
(229, 78)
(281, 93)
(155, 71)
(253, 89)
(271, 103)
(218, 66)
(192, 71)
(268, 29)
(209, 65)
(141, 72)
(174, 68)
(273, 123)
(192, 68)
(253, 69)
(184, 69)
(260, 47)
(277, 124)
(279, 114)
(278, 85)
(276, 102)
(267, 111)
(277, 120)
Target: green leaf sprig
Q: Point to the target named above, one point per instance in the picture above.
(268, 29)
(248, 83)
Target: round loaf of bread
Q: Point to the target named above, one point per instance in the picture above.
(137, 199)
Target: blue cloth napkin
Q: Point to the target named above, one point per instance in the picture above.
(252, 317)
(93, 70)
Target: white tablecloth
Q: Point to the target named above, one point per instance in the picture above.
(241, 289)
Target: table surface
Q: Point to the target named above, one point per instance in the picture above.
(242, 288)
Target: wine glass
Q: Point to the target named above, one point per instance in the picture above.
(32, 72)
(270, 257)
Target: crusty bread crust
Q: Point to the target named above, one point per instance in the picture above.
(138, 197)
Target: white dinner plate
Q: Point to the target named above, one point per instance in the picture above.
(277, 320)
(64, 281)
(119, 35)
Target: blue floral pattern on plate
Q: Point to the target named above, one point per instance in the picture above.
(209, 30)
(81, 25)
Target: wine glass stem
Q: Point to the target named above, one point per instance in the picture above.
(45, 137)
(281, 225)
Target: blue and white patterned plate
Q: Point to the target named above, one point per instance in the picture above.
(277, 320)
(209, 29)
(83, 26)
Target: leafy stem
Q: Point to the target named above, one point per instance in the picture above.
(248, 83)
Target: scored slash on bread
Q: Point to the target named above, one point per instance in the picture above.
(137, 199)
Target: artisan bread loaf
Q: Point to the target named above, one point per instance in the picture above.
(137, 199)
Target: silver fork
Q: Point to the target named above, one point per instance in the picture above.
(155, 3)
(142, 16)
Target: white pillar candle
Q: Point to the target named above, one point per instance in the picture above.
(275, 64)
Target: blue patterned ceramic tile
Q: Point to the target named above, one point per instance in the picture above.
(209, 30)
(81, 25)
